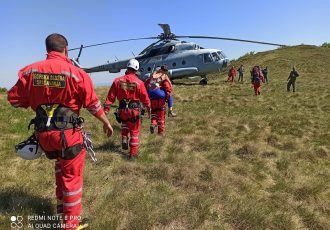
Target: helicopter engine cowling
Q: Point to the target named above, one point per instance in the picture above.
(181, 72)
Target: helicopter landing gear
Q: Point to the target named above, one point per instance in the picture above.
(203, 81)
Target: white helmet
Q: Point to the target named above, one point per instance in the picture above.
(29, 149)
(134, 64)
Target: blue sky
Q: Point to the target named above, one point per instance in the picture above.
(25, 25)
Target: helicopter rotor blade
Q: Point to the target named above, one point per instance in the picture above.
(104, 43)
(232, 39)
(166, 28)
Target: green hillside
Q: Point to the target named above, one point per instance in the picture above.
(230, 160)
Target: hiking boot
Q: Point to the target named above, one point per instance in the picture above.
(83, 224)
(124, 143)
(171, 114)
(152, 129)
(132, 157)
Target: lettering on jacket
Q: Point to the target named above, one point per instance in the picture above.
(127, 85)
(48, 79)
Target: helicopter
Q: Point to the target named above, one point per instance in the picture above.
(183, 59)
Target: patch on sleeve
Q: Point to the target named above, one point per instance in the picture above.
(127, 85)
(48, 79)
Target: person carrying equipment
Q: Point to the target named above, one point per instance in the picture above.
(256, 79)
(56, 90)
(159, 90)
(292, 79)
(170, 99)
(130, 92)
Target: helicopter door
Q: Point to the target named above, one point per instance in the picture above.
(207, 57)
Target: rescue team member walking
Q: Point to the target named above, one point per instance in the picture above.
(159, 89)
(256, 79)
(57, 90)
(130, 92)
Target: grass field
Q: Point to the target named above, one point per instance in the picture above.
(230, 160)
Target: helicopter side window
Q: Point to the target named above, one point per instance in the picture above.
(149, 69)
(207, 58)
(183, 62)
(174, 64)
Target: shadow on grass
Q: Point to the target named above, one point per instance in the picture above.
(17, 201)
(185, 83)
(110, 146)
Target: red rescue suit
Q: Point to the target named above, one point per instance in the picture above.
(56, 81)
(256, 80)
(158, 104)
(128, 88)
(231, 74)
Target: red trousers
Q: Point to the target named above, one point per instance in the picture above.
(230, 78)
(257, 88)
(68, 174)
(158, 112)
(131, 130)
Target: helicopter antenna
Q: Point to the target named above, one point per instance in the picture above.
(80, 50)
(133, 54)
(116, 58)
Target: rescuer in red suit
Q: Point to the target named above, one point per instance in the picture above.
(257, 78)
(56, 90)
(159, 89)
(130, 92)
(231, 74)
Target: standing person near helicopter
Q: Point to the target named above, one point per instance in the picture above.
(159, 90)
(130, 92)
(56, 90)
(231, 74)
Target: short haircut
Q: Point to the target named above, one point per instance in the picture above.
(56, 42)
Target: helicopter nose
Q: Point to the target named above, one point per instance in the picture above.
(225, 63)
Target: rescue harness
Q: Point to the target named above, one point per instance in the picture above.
(128, 110)
(58, 117)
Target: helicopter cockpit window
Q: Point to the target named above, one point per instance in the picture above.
(171, 49)
(221, 54)
(216, 56)
(208, 58)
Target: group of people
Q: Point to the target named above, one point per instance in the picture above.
(259, 75)
(135, 97)
(56, 90)
(232, 73)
